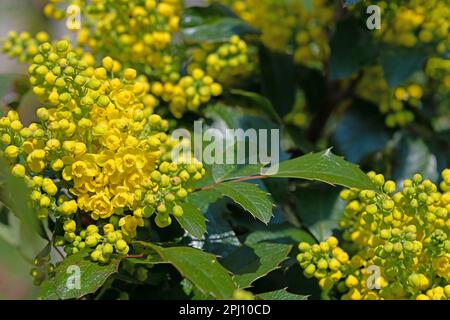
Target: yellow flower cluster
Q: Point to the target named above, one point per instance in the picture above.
(98, 157)
(138, 33)
(438, 69)
(227, 62)
(290, 26)
(23, 46)
(412, 23)
(141, 35)
(397, 103)
(405, 235)
(189, 93)
(416, 21)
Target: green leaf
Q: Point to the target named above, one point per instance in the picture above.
(352, 48)
(278, 79)
(228, 171)
(202, 199)
(201, 268)
(224, 114)
(360, 132)
(15, 195)
(251, 262)
(243, 171)
(221, 171)
(320, 209)
(221, 238)
(283, 233)
(258, 102)
(195, 16)
(151, 259)
(400, 63)
(281, 295)
(233, 118)
(413, 155)
(220, 30)
(249, 197)
(192, 220)
(295, 138)
(326, 167)
(92, 276)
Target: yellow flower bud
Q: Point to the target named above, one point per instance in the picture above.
(18, 170)
(12, 152)
(108, 63)
(44, 201)
(130, 74)
(351, 281)
(70, 226)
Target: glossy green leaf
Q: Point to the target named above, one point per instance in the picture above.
(281, 295)
(319, 208)
(413, 155)
(221, 239)
(351, 47)
(279, 233)
(360, 132)
(202, 199)
(15, 195)
(64, 284)
(195, 16)
(278, 80)
(326, 167)
(251, 262)
(258, 102)
(400, 63)
(224, 172)
(192, 220)
(249, 197)
(219, 30)
(201, 268)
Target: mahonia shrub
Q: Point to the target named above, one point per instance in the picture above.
(90, 138)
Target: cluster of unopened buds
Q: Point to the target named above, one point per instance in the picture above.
(400, 241)
(229, 62)
(141, 35)
(138, 32)
(396, 103)
(191, 91)
(98, 160)
(290, 26)
(415, 22)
